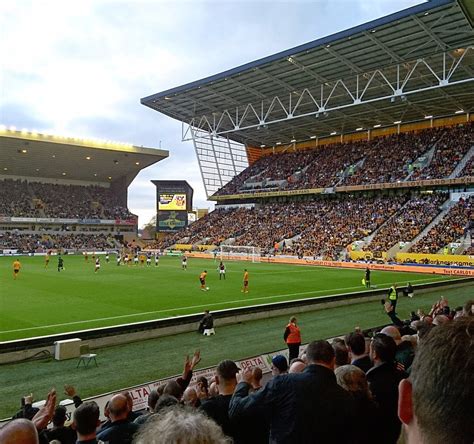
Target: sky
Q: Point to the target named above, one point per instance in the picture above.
(80, 67)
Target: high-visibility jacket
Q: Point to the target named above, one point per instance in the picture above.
(392, 294)
(294, 336)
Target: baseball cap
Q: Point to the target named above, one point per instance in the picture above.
(280, 362)
(227, 369)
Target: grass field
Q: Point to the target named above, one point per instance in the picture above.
(43, 301)
(135, 363)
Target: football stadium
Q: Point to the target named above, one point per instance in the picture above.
(322, 300)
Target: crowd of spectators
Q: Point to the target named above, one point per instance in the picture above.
(408, 223)
(450, 229)
(359, 389)
(323, 228)
(468, 169)
(15, 199)
(34, 199)
(382, 160)
(450, 149)
(336, 224)
(389, 159)
(40, 242)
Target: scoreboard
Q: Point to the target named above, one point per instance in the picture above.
(174, 200)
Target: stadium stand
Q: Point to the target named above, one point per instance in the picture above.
(449, 229)
(325, 228)
(399, 157)
(408, 223)
(36, 199)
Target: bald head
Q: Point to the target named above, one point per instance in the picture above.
(19, 431)
(118, 407)
(190, 396)
(297, 367)
(393, 332)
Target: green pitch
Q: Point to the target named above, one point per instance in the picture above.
(43, 301)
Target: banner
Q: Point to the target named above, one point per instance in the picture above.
(376, 186)
(428, 269)
(123, 221)
(423, 258)
(52, 220)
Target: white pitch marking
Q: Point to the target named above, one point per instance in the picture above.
(182, 308)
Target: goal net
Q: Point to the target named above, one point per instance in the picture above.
(243, 252)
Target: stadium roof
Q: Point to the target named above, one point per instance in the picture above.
(28, 154)
(412, 65)
(276, 99)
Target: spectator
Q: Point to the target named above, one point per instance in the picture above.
(279, 365)
(303, 407)
(190, 397)
(151, 403)
(19, 431)
(356, 346)
(297, 366)
(121, 430)
(383, 379)
(64, 434)
(257, 376)
(436, 401)
(244, 428)
(27, 410)
(86, 421)
(178, 425)
(367, 428)
(165, 401)
(405, 353)
(468, 308)
(218, 406)
(341, 352)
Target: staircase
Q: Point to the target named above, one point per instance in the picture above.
(444, 210)
(368, 239)
(464, 244)
(422, 161)
(460, 166)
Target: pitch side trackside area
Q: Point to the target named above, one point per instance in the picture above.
(43, 301)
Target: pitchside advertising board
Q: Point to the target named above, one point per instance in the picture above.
(174, 200)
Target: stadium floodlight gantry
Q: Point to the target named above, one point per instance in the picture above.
(409, 66)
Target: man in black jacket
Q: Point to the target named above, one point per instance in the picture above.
(207, 322)
(383, 379)
(302, 407)
(121, 430)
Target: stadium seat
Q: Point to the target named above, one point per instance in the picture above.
(209, 332)
(86, 357)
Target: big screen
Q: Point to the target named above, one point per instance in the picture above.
(172, 201)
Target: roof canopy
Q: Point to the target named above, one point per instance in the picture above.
(35, 155)
(407, 66)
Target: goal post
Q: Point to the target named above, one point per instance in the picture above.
(244, 252)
